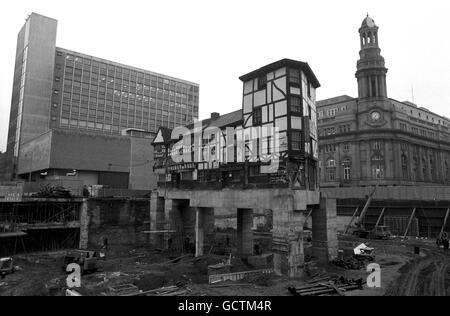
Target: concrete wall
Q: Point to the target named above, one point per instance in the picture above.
(247, 199)
(83, 151)
(142, 162)
(122, 222)
(91, 154)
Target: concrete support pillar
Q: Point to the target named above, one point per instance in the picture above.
(199, 232)
(84, 225)
(157, 218)
(245, 231)
(325, 243)
(168, 219)
(288, 248)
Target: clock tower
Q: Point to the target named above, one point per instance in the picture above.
(371, 72)
(374, 108)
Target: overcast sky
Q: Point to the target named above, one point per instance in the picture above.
(214, 42)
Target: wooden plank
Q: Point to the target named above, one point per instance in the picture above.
(351, 221)
(236, 276)
(409, 223)
(445, 223)
(379, 218)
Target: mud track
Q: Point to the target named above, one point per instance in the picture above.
(429, 276)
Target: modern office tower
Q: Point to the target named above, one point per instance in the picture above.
(58, 89)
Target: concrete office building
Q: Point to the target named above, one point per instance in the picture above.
(374, 139)
(90, 99)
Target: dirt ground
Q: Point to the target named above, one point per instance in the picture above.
(402, 273)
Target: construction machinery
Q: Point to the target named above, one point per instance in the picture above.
(86, 259)
(6, 266)
(358, 228)
(380, 232)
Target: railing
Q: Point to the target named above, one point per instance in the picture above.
(120, 193)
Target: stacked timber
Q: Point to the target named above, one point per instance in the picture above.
(327, 286)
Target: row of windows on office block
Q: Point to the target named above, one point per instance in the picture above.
(108, 101)
(114, 126)
(117, 85)
(73, 87)
(100, 111)
(88, 64)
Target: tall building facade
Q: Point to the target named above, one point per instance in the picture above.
(55, 88)
(374, 139)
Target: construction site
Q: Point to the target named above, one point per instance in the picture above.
(127, 247)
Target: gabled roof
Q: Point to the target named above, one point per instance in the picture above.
(229, 119)
(280, 64)
(163, 136)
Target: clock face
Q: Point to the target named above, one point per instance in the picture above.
(375, 116)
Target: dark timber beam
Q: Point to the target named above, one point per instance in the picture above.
(445, 223)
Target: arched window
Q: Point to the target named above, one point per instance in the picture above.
(405, 167)
(378, 167)
(347, 164)
(331, 170)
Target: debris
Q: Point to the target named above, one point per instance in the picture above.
(356, 262)
(164, 291)
(363, 249)
(177, 259)
(50, 191)
(72, 293)
(123, 290)
(236, 276)
(231, 285)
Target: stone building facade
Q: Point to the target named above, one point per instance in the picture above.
(374, 139)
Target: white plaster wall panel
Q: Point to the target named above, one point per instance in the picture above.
(260, 98)
(248, 87)
(270, 112)
(281, 123)
(248, 103)
(296, 122)
(295, 90)
(270, 76)
(279, 91)
(280, 72)
(277, 95)
(265, 114)
(280, 108)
